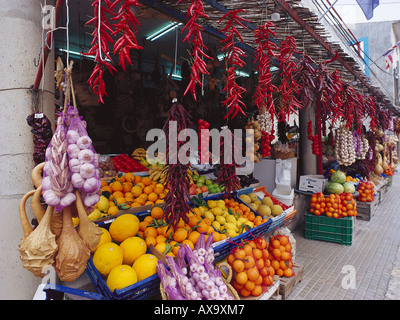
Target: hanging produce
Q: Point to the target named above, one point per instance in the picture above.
(361, 146)
(100, 46)
(254, 125)
(344, 147)
(233, 54)
(42, 133)
(304, 77)
(127, 40)
(196, 12)
(178, 182)
(264, 51)
(288, 88)
(313, 138)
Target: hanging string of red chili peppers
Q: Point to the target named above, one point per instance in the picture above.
(178, 198)
(289, 88)
(264, 51)
(127, 41)
(234, 54)
(196, 11)
(103, 41)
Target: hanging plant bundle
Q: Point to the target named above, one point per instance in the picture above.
(383, 118)
(127, 40)
(100, 47)
(196, 11)
(42, 133)
(264, 51)
(304, 77)
(178, 198)
(227, 169)
(370, 111)
(288, 88)
(234, 54)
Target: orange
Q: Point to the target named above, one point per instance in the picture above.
(160, 238)
(259, 280)
(284, 240)
(150, 232)
(288, 273)
(275, 264)
(157, 213)
(237, 286)
(129, 177)
(127, 186)
(241, 278)
(264, 272)
(256, 291)
(279, 272)
(137, 179)
(268, 280)
(260, 263)
(167, 231)
(118, 194)
(146, 181)
(158, 190)
(194, 236)
(193, 220)
(249, 262)
(161, 247)
(252, 274)
(271, 271)
(143, 197)
(283, 265)
(152, 197)
(180, 234)
(250, 285)
(112, 210)
(238, 266)
(189, 243)
(244, 292)
(143, 225)
(288, 247)
(117, 186)
(239, 254)
(285, 256)
(230, 258)
(275, 243)
(128, 194)
(121, 200)
(202, 226)
(248, 249)
(257, 253)
(147, 190)
(140, 184)
(103, 183)
(277, 253)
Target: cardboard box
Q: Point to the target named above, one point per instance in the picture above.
(312, 183)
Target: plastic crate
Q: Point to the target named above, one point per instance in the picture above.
(139, 291)
(329, 229)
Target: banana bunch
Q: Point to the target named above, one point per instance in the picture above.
(157, 174)
(190, 174)
(139, 153)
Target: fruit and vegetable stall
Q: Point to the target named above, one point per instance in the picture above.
(142, 226)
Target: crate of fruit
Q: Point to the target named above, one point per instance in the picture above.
(141, 290)
(329, 228)
(271, 207)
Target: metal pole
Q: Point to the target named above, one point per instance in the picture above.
(327, 10)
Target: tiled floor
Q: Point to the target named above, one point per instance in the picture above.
(372, 258)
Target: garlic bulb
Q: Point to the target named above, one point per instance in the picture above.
(85, 156)
(265, 121)
(87, 170)
(73, 151)
(51, 198)
(74, 165)
(91, 184)
(84, 142)
(77, 180)
(344, 147)
(72, 136)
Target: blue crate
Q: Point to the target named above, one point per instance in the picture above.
(141, 290)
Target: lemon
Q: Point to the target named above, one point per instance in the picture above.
(231, 233)
(216, 225)
(123, 227)
(231, 219)
(220, 219)
(211, 204)
(132, 249)
(221, 204)
(107, 257)
(209, 215)
(203, 209)
(217, 211)
(94, 215)
(105, 237)
(145, 266)
(75, 221)
(230, 226)
(121, 277)
(103, 204)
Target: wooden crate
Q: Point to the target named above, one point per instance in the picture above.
(365, 210)
(286, 285)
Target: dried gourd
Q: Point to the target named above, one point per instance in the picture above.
(37, 208)
(88, 230)
(73, 253)
(37, 250)
(26, 226)
(56, 223)
(37, 175)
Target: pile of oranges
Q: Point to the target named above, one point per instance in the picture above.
(335, 205)
(155, 231)
(366, 190)
(130, 191)
(252, 269)
(280, 255)
(244, 211)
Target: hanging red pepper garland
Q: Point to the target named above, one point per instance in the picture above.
(103, 41)
(264, 51)
(127, 41)
(234, 92)
(196, 11)
(178, 198)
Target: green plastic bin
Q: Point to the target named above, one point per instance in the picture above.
(329, 229)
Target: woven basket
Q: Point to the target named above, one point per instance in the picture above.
(231, 289)
(282, 155)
